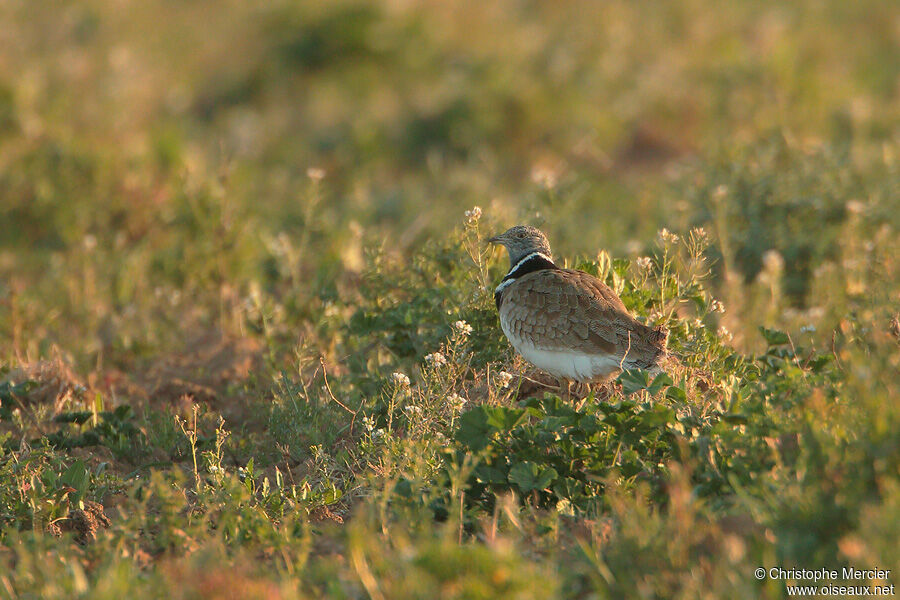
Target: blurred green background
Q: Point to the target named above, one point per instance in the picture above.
(152, 146)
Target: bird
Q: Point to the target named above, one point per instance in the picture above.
(567, 322)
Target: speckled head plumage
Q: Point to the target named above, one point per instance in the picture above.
(522, 240)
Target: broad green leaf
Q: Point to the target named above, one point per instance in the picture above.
(633, 380)
(529, 476)
(474, 430)
(774, 337)
(659, 382)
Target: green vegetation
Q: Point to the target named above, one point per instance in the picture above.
(248, 345)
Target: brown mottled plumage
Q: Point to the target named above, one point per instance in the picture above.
(567, 322)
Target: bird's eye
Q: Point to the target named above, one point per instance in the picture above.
(520, 235)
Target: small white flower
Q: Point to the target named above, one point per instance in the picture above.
(462, 328)
(412, 409)
(456, 401)
(316, 174)
(717, 307)
(855, 207)
(644, 263)
(504, 378)
(725, 334)
(773, 261)
(400, 379)
(809, 328)
(436, 358)
(698, 323)
(378, 434)
(666, 236)
(369, 423)
(474, 214)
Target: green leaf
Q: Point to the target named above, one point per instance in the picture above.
(556, 424)
(78, 477)
(736, 418)
(478, 425)
(659, 382)
(78, 417)
(633, 380)
(503, 419)
(819, 362)
(774, 337)
(658, 415)
(676, 394)
(474, 430)
(529, 476)
(490, 475)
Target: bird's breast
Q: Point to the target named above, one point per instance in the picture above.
(560, 362)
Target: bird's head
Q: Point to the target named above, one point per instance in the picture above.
(522, 240)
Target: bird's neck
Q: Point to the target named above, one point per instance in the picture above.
(535, 261)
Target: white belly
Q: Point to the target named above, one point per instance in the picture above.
(564, 363)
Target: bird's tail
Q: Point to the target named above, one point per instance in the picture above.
(659, 337)
(650, 352)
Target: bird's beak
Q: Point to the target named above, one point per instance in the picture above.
(497, 239)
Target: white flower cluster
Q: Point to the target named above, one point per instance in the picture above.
(725, 334)
(400, 379)
(667, 237)
(462, 328)
(369, 423)
(473, 215)
(644, 263)
(456, 401)
(717, 307)
(413, 409)
(436, 359)
(316, 174)
(504, 378)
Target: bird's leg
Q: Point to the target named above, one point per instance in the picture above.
(567, 395)
(585, 396)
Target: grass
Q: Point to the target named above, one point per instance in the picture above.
(248, 345)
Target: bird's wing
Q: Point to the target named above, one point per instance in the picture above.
(572, 310)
